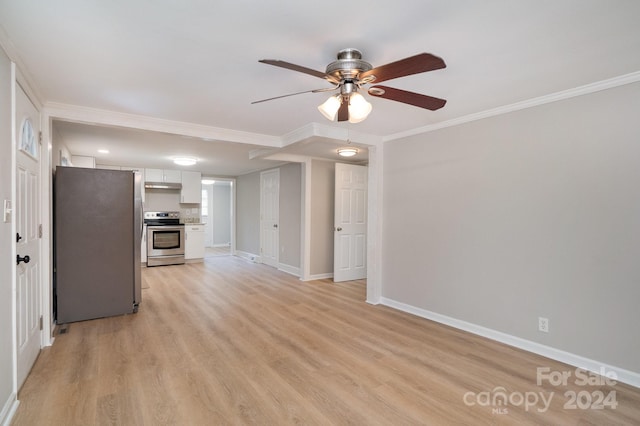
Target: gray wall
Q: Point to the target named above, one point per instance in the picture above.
(248, 213)
(6, 296)
(322, 216)
(527, 214)
(220, 208)
(158, 200)
(290, 210)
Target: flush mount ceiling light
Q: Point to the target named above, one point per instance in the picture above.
(347, 152)
(208, 181)
(350, 72)
(103, 151)
(185, 161)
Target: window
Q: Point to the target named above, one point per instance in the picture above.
(205, 203)
(27, 140)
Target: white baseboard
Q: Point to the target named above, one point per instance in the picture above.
(9, 410)
(319, 277)
(222, 245)
(293, 270)
(629, 377)
(249, 256)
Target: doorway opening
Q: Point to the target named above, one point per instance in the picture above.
(217, 215)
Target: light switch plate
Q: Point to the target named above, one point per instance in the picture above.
(7, 211)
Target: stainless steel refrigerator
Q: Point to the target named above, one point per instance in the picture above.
(97, 232)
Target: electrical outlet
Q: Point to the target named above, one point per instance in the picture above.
(543, 324)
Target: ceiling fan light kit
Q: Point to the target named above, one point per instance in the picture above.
(359, 108)
(330, 107)
(350, 72)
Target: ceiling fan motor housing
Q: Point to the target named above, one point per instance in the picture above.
(348, 65)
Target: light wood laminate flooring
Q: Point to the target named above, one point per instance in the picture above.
(217, 251)
(229, 342)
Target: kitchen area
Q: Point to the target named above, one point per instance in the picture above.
(111, 221)
(173, 231)
(105, 232)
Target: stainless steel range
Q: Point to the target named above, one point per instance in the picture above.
(165, 238)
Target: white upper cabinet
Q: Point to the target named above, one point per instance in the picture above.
(153, 175)
(173, 176)
(159, 175)
(83, 161)
(134, 169)
(107, 167)
(191, 188)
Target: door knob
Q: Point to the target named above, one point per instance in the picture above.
(338, 229)
(275, 225)
(19, 259)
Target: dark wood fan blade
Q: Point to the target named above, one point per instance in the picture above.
(343, 112)
(294, 67)
(413, 65)
(411, 98)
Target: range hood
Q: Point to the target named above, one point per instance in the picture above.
(162, 185)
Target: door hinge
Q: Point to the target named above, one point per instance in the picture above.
(40, 136)
(41, 323)
(40, 231)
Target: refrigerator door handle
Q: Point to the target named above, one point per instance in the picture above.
(141, 220)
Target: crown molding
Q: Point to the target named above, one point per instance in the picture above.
(88, 115)
(530, 103)
(25, 79)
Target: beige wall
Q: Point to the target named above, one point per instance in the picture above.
(322, 216)
(290, 211)
(220, 210)
(6, 237)
(248, 213)
(532, 213)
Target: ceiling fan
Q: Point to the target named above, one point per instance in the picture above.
(350, 72)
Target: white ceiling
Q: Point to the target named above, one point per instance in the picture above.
(196, 61)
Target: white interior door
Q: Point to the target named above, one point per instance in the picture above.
(28, 309)
(350, 232)
(269, 214)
